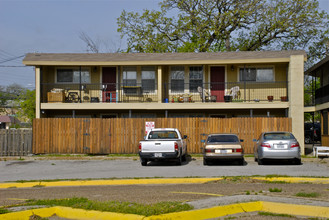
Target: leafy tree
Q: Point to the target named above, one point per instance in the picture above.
(227, 25)
(309, 100)
(26, 102)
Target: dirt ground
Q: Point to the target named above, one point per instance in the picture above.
(157, 193)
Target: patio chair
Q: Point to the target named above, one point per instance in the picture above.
(205, 97)
(235, 92)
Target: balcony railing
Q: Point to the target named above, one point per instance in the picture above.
(171, 92)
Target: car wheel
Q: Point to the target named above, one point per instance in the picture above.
(298, 161)
(205, 162)
(179, 160)
(308, 139)
(184, 157)
(255, 158)
(144, 162)
(260, 161)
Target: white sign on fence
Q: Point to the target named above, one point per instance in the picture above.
(149, 125)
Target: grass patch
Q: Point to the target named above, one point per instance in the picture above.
(275, 214)
(275, 190)
(275, 175)
(122, 155)
(113, 206)
(4, 211)
(308, 195)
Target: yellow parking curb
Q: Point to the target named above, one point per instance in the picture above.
(295, 179)
(66, 212)
(214, 212)
(154, 181)
(108, 182)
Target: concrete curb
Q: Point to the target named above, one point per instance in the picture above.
(153, 181)
(214, 212)
(108, 182)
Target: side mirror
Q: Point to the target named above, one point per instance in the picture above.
(254, 140)
(185, 136)
(203, 141)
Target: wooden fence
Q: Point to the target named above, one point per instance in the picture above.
(121, 135)
(15, 142)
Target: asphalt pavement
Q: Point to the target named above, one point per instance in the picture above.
(32, 168)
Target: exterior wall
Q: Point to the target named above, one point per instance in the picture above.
(296, 98)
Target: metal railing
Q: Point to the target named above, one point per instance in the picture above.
(171, 92)
(226, 92)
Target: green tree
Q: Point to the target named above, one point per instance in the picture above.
(26, 101)
(227, 25)
(310, 86)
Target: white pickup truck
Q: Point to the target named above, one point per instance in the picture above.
(163, 144)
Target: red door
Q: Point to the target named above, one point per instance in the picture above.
(217, 82)
(109, 84)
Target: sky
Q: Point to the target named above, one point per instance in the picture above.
(54, 26)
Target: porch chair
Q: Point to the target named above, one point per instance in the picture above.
(205, 97)
(235, 92)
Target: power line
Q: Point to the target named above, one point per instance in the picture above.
(12, 59)
(12, 66)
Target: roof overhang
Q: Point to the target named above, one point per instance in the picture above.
(311, 71)
(109, 59)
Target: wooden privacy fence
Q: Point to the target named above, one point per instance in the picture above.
(15, 142)
(121, 135)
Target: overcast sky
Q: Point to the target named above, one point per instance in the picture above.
(53, 26)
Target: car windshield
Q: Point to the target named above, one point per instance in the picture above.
(222, 138)
(278, 136)
(163, 135)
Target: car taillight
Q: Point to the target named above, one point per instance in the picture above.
(265, 145)
(209, 150)
(294, 145)
(140, 147)
(176, 146)
(238, 150)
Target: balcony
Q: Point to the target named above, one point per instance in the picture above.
(170, 93)
(322, 95)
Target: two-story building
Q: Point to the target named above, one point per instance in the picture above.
(321, 71)
(148, 85)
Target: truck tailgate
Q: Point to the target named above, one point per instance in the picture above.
(158, 146)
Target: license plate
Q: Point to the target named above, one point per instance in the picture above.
(223, 151)
(157, 154)
(280, 146)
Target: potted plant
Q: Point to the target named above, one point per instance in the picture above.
(284, 98)
(270, 98)
(227, 98)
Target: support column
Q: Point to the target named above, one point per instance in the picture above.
(37, 92)
(296, 97)
(159, 84)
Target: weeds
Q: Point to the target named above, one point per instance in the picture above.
(4, 211)
(308, 195)
(275, 214)
(275, 190)
(114, 206)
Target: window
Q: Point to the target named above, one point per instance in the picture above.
(129, 79)
(256, 74)
(177, 79)
(73, 75)
(129, 76)
(148, 78)
(196, 78)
